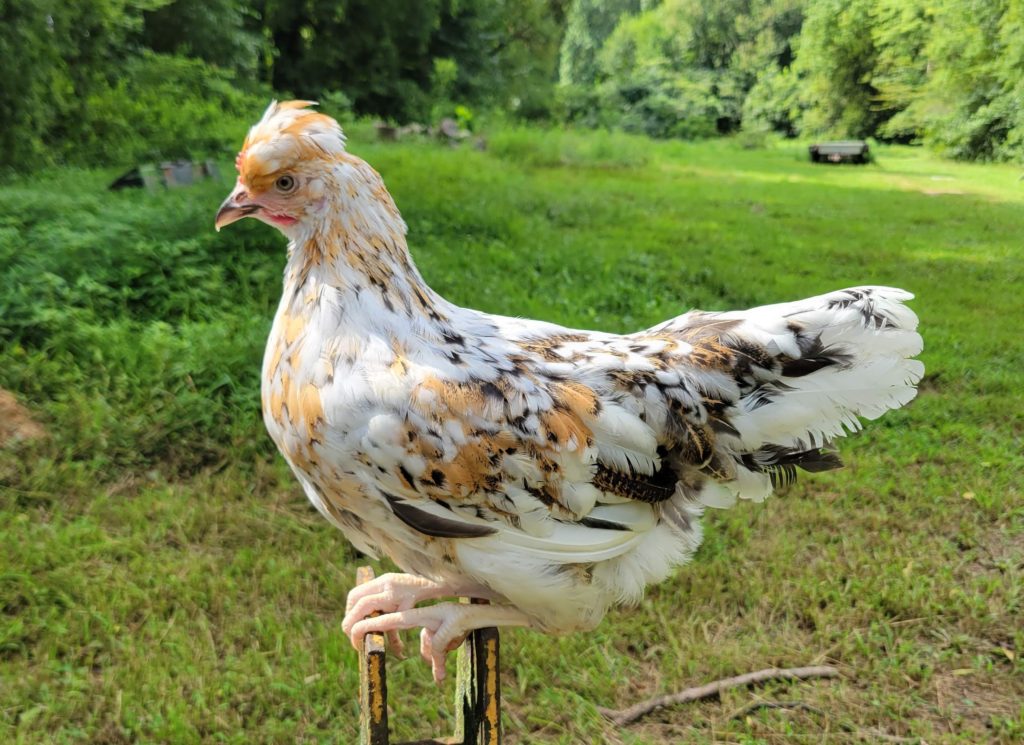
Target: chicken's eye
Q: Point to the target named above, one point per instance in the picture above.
(285, 184)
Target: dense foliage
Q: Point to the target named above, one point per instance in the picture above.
(116, 81)
(113, 81)
(946, 72)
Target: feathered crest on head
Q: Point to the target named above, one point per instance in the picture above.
(287, 131)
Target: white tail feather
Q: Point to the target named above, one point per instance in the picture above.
(871, 337)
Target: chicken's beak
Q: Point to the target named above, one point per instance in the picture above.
(234, 208)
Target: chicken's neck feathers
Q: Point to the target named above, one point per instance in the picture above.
(356, 250)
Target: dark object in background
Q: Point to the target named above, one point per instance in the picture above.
(171, 174)
(386, 132)
(843, 151)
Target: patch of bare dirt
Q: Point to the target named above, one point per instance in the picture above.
(971, 701)
(16, 423)
(997, 553)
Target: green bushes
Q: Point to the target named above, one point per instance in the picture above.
(972, 105)
(164, 107)
(650, 81)
(101, 82)
(773, 103)
(157, 107)
(80, 87)
(138, 325)
(665, 72)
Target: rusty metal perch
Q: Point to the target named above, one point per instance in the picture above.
(477, 689)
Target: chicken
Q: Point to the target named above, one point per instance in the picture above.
(552, 471)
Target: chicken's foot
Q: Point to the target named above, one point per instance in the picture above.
(444, 625)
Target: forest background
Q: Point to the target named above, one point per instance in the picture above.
(103, 82)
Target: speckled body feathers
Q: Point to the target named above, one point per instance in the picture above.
(556, 470)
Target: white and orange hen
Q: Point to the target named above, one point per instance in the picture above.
(552, 471)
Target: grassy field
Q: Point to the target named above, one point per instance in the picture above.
(162, 578)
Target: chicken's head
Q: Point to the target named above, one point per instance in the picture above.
(284, 168)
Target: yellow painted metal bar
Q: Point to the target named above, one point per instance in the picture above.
(488, 684)
(373, 683)
(478, 689)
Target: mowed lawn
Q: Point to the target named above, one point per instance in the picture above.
(163, 579)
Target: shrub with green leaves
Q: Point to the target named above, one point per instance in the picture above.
(665, 72)
(164, 107)
(138, 325)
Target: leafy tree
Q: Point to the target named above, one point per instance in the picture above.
(836, 59)
(506, 52)
(900, 31)
(971, 103)
(32, 78)
(54, 53)
(667, 70)
(588, 24)
(652, 81)
(110, 80)
(766, 38)
(224, 33)
(774, 102)
(1009, 68)
(762, 65)
(383, 64)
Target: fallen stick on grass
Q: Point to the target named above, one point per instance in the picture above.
(629, 715)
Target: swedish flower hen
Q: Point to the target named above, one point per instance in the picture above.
(552, 471)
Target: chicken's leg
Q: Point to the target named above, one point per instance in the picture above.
(445, 625)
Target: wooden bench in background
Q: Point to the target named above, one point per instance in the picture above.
(843, 151)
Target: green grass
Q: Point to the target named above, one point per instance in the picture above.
(162, 578)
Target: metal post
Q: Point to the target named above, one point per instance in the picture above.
(373, 683)
(478, 689)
